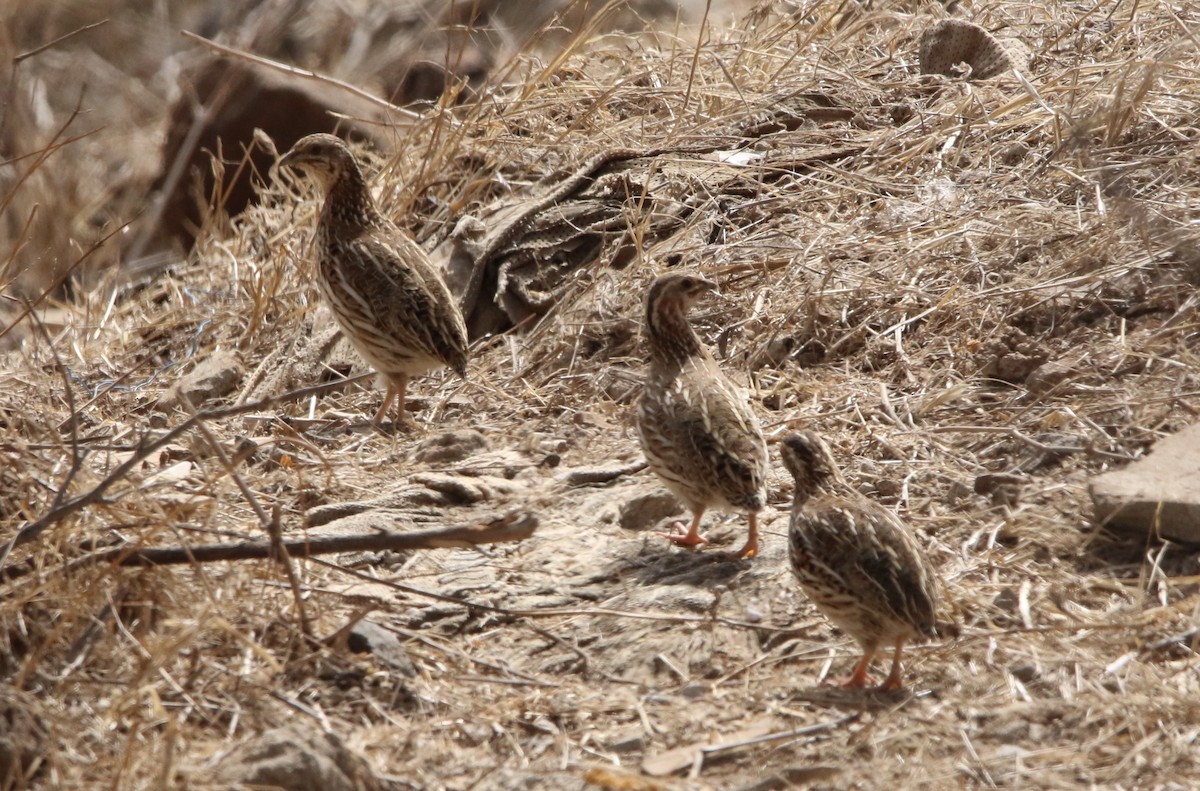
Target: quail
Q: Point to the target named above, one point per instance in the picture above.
(696, 427)
(385, 293)
(856, 560)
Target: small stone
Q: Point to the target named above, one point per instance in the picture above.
(643, 511)
(474, 733)
(957, 493)
(1048, 376)
(1006, 600)
(888, 487)
(629, 740)
(1012, 366)
(450, 446)
(1003, 488)
(215, 377)
(1157, 495)
(295, 758)
(368, 636)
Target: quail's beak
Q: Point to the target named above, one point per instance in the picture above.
(285, 164)
(711, 288)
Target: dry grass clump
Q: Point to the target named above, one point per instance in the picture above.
(982, 293)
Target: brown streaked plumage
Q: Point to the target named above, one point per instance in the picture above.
(385, 292)
(856, 560)
(696, 427)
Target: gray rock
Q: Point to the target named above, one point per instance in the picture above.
(1159, 494)
(296, 758)
(1048, 376)
(626, 740)
(369, 636)
(647, 508)
(215, 377)
(450, 446)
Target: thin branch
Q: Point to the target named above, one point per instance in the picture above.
(230, 468)
(283, 557)
(602, 475)
(34, 529)
(516, 526)
(55, 42)
(69, 394)
(305, 74)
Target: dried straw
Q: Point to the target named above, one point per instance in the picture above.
(952, 280)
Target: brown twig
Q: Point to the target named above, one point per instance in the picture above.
(280, 553)
(55, 42)
(31, 531)
(585, 477)
(69, 394)
(513, 527)
(305, 74)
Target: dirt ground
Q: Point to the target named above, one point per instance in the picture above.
(982, 293)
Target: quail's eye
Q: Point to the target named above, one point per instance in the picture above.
(687, 283)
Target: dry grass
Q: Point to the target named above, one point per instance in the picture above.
(896, 297)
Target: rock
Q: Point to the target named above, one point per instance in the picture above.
(1003, 488)
(450, 446)
(1158, 494)
(626, 740)
(1048, 376)
(644, 510)
(1013, 365)
(296, 758)
(213, 378)
(453, 489)
(368, 636)
(316, 353)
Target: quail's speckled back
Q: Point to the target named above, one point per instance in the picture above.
(387, 295)
(855, 559)
(696, 427)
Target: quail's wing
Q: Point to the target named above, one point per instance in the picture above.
(865, 550)
(412, 299)
(714, 428)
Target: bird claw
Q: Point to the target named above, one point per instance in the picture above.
(398, 426)
(684, 538)
(851, 682)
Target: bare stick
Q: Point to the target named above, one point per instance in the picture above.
(584, 477)
(305, 74)
(18, 58)
(69, 394)
(34, 529)
(281, 555)
(516, 526)
(227, 463)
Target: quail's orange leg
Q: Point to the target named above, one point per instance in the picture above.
(859, 679)
(893, 680)
(751, 548)
(692, 537)
(397, 385)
